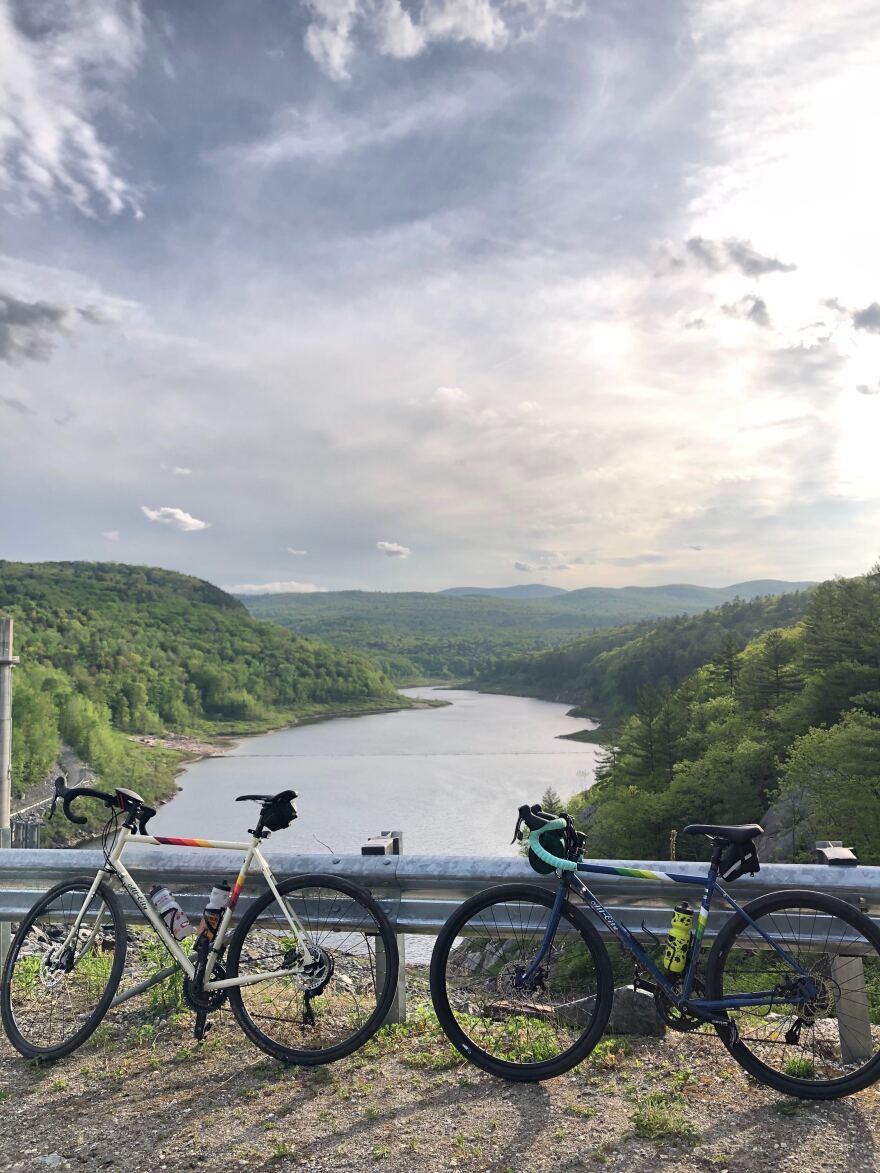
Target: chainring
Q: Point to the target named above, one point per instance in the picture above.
(675, 1018)
(198, 999)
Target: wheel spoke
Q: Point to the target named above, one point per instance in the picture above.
(492, 1010)
(819, 1030)
(59, 974)
(331, 989)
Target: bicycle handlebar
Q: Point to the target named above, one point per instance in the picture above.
(69, 796)
(563, 865)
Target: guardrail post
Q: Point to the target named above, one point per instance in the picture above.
(848, 975)
(7, 660)
(390, 843)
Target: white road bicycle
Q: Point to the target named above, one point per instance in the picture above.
(309, 971)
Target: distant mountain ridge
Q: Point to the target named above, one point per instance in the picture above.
(532, 590)
(688, 594)
(417, 636)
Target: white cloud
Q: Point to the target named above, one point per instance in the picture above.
(451, 396)
(332, 37)
(398, 35)
(545, 561)
(176, 518)
(274, 588)
(112, 535)
(299, 553)
(393, 550)
(329, 38)
(321, 133)
(865, 389)
(181, 472)
(52, 85)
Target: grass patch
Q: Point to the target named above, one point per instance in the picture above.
(609, 1053)
(659, 1117)
(581, 1111)
(799, 1067)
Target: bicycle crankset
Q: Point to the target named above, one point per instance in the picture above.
(199, 999)
(676, 1017)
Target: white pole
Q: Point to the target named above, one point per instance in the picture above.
(6, 662)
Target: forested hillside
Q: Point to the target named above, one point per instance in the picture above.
(790, 722)
(108, 649)
(604, 673)
(420, 636)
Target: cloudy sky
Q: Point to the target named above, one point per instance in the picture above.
(401, 295)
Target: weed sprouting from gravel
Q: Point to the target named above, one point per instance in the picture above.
(659, 1117)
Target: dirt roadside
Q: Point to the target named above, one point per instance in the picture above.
(142, 1095)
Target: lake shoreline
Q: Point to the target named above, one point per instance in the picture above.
(409, 770)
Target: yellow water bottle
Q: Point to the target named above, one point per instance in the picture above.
(678, 938)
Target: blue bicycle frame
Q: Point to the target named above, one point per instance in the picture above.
(706, 1008)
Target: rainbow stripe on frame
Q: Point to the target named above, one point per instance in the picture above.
(176, 842)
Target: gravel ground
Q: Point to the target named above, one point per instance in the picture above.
(142, 1095)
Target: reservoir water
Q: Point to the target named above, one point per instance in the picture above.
(450, 778)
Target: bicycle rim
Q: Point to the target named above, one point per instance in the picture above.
(829, 1046)
(57, 982)
(338, 999)
(516, 1027)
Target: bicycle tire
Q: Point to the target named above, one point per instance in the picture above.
(381, 929)
(528, 1072)
(12, 1024)
(766, 1037)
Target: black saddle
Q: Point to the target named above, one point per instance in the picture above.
(738, 833)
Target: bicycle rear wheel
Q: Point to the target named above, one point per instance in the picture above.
(58, 981)
(337, 1001)
(515, 1030)
(829, 1047)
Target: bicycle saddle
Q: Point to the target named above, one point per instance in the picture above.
(738, 833)
(281, 796)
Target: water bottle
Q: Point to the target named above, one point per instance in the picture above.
(678, 938)
(214, 909)
(171, 913)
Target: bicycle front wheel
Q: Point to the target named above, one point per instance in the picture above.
(63, 968)
(514, 1024)
(820, 1049)
(335, 973)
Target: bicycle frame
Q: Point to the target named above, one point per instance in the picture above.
(679, 997)
(115, 867)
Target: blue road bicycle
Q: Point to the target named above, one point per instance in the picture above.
(522, 981)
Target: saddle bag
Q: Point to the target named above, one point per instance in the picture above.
(738, 860)
(280, 812)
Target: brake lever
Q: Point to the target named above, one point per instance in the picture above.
(60, 787)
(517, 834)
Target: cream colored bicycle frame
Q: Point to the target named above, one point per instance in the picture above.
(115, 868)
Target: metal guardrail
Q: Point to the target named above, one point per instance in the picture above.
(418, 892)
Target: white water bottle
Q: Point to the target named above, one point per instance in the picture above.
(214, 909)
(171, 913)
